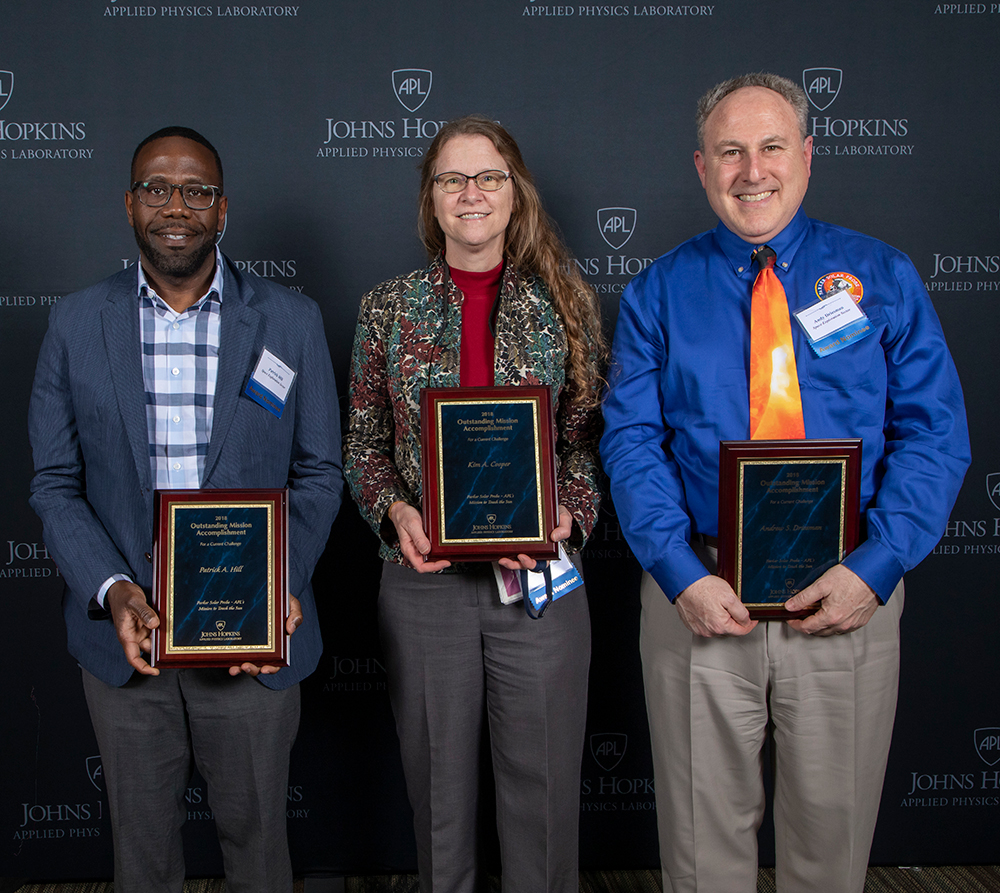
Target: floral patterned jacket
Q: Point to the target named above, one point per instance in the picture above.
(409, 337)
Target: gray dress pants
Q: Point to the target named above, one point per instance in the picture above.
(450, 649)
(153, 730)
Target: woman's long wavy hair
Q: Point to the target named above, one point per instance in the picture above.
(533, 246)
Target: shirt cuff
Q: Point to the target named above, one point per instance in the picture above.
(677, 569)
(874, 563)
(106, 585)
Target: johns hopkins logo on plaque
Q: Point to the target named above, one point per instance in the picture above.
(6, 87)
(608, 748)
(822, 85)
(412, 86)
(988, 745)
(616, 225)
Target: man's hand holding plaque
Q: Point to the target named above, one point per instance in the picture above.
(292, 623)
(134, 622)
(710, 608)
(845, 603)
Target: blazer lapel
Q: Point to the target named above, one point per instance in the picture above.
(122, 344)
(236, 340)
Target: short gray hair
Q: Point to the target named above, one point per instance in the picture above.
(788, 90)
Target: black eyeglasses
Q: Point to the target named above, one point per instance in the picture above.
(488, 181)
(156, 193)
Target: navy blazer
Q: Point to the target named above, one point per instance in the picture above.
(93, 485)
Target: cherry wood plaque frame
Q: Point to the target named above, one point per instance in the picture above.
(199, 518)
(448, 541)
(743, 554)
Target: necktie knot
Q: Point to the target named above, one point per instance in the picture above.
(764, 257)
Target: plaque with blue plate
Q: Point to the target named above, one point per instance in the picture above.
(220, 570)
(788, 511)
(489, 477)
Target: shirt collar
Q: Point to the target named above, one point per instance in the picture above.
(143, 286)
(785, 244)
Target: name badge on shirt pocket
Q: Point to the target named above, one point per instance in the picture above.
(271, 380)
(833, 323)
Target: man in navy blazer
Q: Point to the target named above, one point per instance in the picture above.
(141, 385)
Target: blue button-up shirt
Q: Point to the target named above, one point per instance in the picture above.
(680, 385)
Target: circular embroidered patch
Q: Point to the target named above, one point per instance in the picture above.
(832, 283)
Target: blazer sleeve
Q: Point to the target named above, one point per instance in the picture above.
(82, 548)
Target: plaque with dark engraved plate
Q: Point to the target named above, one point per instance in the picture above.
(489, 478)
(220, 570)
(788, 511)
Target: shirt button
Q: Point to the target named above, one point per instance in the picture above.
(175, 371)
(177, 419)
(176, 325)
(177, 466)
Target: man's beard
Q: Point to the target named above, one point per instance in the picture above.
(178, 265)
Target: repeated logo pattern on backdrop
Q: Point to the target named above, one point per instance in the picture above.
(322, 113)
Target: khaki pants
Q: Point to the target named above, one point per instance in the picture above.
(832, 703)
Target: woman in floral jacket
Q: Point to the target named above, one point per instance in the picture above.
(501, 304)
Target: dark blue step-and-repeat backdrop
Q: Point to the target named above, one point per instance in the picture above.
(321, 112)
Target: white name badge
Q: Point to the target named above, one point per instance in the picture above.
(825, 317)
(565, 578)
(833, 323)
(270, 383)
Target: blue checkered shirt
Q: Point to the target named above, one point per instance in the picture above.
(180, 363)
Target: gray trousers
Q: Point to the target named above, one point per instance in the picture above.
(450, 648)
(152, 731)
(831, 702)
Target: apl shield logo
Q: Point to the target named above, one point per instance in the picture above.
(412, 86)
(220, 625)
(95, 771)
(822, 85)
(993, 489)
(616, 225)
(6, 87)
(608, 748)
(988, 745)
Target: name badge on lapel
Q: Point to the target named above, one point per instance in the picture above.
(270, 383)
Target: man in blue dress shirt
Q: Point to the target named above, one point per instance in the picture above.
(714, 678)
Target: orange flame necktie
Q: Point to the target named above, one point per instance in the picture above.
(775, 402)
